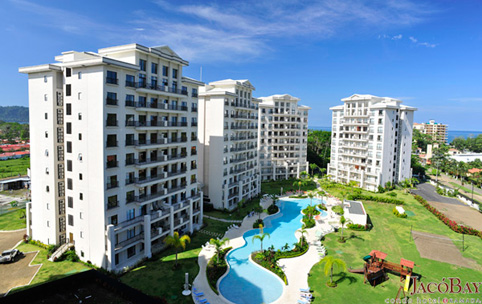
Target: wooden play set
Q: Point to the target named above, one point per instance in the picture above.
(376, 268)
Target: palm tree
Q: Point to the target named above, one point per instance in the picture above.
(261, 237)
(258, 209)
(342, 222)
(330, 262)
(177, 242)
(322, 170)
(217, 245)
(311, 195)
(302, 231)
(313, 167)
(299, 183)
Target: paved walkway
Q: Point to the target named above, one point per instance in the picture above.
(445, 179)
(296, 269)
(427, 191)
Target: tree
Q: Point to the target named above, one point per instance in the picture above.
(177, 242)
(313, 167)
(330, 262)
(299, 183)
(302, 231)
(217, 245)
(319, 148)
(258, 209)
(342, 222)
(311, 195)
(261, 237)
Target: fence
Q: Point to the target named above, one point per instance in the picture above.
(466, 199)
(12, 206)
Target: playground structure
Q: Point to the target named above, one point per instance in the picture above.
(376, 268)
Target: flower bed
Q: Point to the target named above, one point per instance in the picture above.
(451, 224)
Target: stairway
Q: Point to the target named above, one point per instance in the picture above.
(61, 250)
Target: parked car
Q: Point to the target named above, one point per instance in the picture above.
(9, 256)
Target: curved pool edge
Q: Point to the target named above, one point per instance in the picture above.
(242, 245)
(282, 283)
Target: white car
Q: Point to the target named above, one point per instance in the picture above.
(9, 256)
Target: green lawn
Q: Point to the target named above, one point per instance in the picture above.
(14, 167)
(391, 235)
(12, 220)
(157, 278)
(235, 214)
(457, 186)
(50, 270)
(274, 187)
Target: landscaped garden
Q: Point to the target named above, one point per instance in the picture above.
(157, 276)
(391, 235)
(13, 220)
(275, 187)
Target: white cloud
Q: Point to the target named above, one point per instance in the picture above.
(397, 37)
(426, 44)
(413, 39)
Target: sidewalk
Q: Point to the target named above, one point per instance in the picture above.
(444, 179)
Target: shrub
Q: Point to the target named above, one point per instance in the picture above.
(257, 223)
(338, 210)
(381, 189)
(69, 255)
(398, 214)
(322, 207)
(357, 227)
(216, 269)
(298, 196)
(379, 199)
(272, 209)
(308, 223)
(392, 194)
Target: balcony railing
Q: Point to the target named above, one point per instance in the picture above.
(131, 84)
(159, 105)
(112, 164)
(159, 141)
(156, 123)
(112, 204)
(155, 86)
(113, 184)
(111, 123)
(113, 143)
(136, 238)
(111, 80)
(111, 101)
(129, 222)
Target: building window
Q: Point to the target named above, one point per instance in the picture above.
(116, 258)
(80, 156)
(68, 72)
(79, 75)
(69, 147)
(46, 152)
(68, 90)
(70, 202)
(112, 202)
(69, 108)
(80, 176)
(81, 215)
(81, 196)
(113, 220)
(79, 95)
(111, 77)
(46, 134)
(111, 120)
(80, 136)
(142, 64)
(69, 165)
(131, 251)
(80, 116)
(46, 116)
(69, 128)
(71, 220)
(154, 68)
(131, 213)
(70, 185)
(165, 71)
(45, 97)
(45, 79)
(47, 189)
(47, 171)
(174, 73)
(48, 223)
(130, 81)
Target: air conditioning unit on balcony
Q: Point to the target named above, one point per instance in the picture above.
(159, 229)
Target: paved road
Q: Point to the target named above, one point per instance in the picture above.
(427, 191)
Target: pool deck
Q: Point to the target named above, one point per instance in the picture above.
(296, 269)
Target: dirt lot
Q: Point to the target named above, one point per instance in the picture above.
(8, 239)
(441, 248)
(18, 273)
(462, 214)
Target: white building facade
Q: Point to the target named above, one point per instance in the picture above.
(282, 137)
(114, 152)
(228, 126)
(371, 141)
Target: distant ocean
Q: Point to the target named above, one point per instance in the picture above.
(451, 133)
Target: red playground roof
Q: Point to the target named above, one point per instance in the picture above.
(378, 254)
(407, 263)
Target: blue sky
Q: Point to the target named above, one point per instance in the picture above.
(427, 53)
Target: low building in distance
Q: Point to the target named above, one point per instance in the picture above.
(114, 152)
(371, 141)
(436, 130)
(282, 137)
(228, 142)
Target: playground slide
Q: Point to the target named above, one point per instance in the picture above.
(407, 283)
(360, 270)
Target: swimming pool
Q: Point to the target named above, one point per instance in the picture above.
(246, 282)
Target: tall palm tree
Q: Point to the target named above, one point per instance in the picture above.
(299, 183)
(258, 209)
(330, 262)
(261, 237)
(302, 231)
(177, 242)
(313, 167)
(311, 195)
(217, 245)
(342, 222)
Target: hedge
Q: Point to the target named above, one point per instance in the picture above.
(215, 271)
(398, 214)
(357, 227)
(451, 224)
(380, 199)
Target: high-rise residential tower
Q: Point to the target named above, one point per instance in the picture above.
(436, 130)
(228, 126)
(282, 137)
(113, 152)
(371, 141)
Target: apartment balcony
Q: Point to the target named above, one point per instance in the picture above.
(194, 109)
(112, 204)
(111, 123)
(142, 181)
(156, 124)
(144, 144)
(176, 189)
(112, 164)
(162, 107)
(233, 195)
(111, 80)
(112, 144)
(129, 223)
(357, 113)
(113, 184)
(111, 102)
(194, 124)
(140, 163)
(149, 87)
(242, 105)
(130, 241)
(238, 160)
(142, 199)
(130, 181)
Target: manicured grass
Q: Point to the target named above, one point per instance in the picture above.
(390, 235)
(237, 214)
(14, 167)
(274, 187)
(15, 193)
(457, 186)
(12, 220)
(50, 270)
(156, 277)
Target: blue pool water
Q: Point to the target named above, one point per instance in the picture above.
(248, 283)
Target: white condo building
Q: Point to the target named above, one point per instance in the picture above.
(371, 141)
(228, 127)
(282, 137)
(113, 152)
